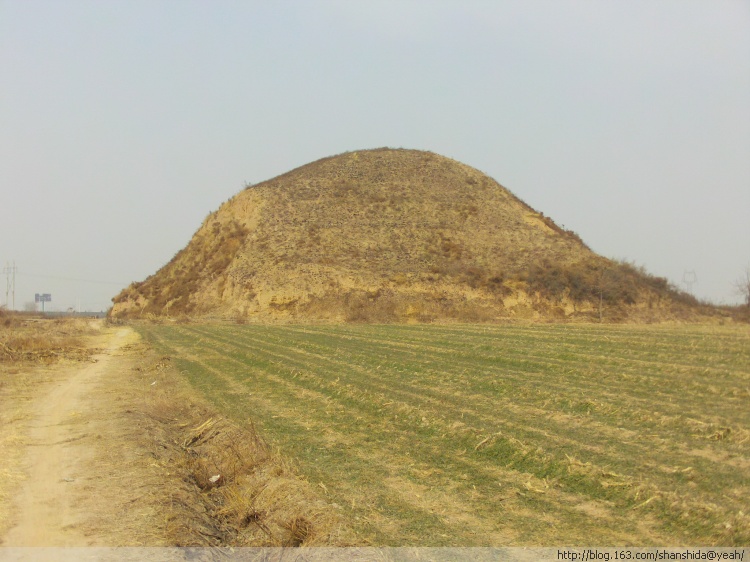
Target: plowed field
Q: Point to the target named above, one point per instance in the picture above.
(497, 435)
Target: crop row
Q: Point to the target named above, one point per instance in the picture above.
(496, 434)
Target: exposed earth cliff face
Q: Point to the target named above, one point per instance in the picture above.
(391, 235)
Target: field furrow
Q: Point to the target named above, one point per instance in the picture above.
(479, 435)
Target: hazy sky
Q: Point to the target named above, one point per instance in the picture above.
(124, 123)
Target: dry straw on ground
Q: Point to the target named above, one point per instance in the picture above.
(25, 338)
(232, 489)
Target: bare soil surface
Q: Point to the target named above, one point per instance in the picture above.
(64, 449)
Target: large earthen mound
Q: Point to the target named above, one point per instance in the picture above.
(391, 235)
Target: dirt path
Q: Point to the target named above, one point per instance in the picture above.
(108, 451)
(66, 424)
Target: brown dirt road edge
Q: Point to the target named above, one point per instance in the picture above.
(117, 451)
(67, 439)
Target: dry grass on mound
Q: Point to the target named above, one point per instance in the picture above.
(228, 487)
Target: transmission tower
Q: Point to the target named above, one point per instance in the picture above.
(690, 279)
(10, 282)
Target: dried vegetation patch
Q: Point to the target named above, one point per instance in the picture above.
(227, 486)
(28, 339)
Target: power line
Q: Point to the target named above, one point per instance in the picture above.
(74, 279)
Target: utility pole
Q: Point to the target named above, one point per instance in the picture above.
(10, 282)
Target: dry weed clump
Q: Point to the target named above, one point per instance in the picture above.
(253, 496)
(30, 339)
(234, 489)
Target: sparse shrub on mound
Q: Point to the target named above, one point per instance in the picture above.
(581, 282)
(378, 307)
(603, 281)
(479, 278)
(186, 273)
